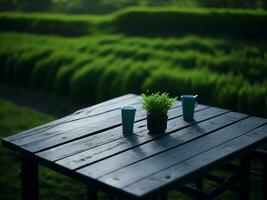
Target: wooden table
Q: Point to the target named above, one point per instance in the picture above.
(89, 146)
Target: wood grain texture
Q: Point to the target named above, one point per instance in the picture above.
(127, 143)
(201, 163)
(89, 145)
(106, 137)
(101, 138)
(97, 124)
(90, 111)
(137, 171)
(74, 125)
(154, 147)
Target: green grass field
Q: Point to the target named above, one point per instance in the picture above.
(229, 73)
(220, 54)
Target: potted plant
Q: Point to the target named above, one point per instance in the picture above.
(157, 106)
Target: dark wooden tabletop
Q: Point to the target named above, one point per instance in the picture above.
(89, 145)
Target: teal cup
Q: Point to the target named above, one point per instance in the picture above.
(188, 104)
(127, 115)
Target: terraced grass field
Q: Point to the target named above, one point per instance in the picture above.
(219, 54)
(229, 73)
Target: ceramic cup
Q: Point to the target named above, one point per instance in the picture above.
(127, 115)
(188, 104)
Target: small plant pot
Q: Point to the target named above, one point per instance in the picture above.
(157, 124)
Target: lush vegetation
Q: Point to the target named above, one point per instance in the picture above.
(157, 104)
(104, 6)
(60, 24)
(224, 72)
(144, 21)
(224, 61)
(208, 22)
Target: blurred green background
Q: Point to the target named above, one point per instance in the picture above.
(105, 6)
(76, 53)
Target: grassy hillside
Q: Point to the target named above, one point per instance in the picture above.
(144, 21)
(228, 73)
(59, 24)
(106, 6)
(219, 54)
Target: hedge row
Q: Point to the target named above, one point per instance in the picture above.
(97, 68)
(221, 90)
(144, 21)
(56, 24)
(196, 21)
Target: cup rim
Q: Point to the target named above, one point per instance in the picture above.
(189, 96)
(128, 107)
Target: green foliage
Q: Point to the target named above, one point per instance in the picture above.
(43, 74)
(32, 5)
(134, 76)
(83, 84)
(173, 21)
(105, 6)
(57, 24)
(99, 67)
(64, 74)
(157, 104)
(251, 99)
(25, 64)
(214, 89)
(144, 21)
(15, 118)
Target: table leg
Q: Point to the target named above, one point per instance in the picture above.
(199, 183)
(29, 179)
(91, 193)
(164, 196)
(110, 197)
(244, 177)
(264, 183)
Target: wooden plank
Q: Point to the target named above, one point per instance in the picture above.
(123, 144)
(90, 111)
(137, 171)
(97, 125)
(185, 171)
(71, 126)
(105, 137)
(108, 119)
(154, 147)
(105, 106)
(71, 117)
